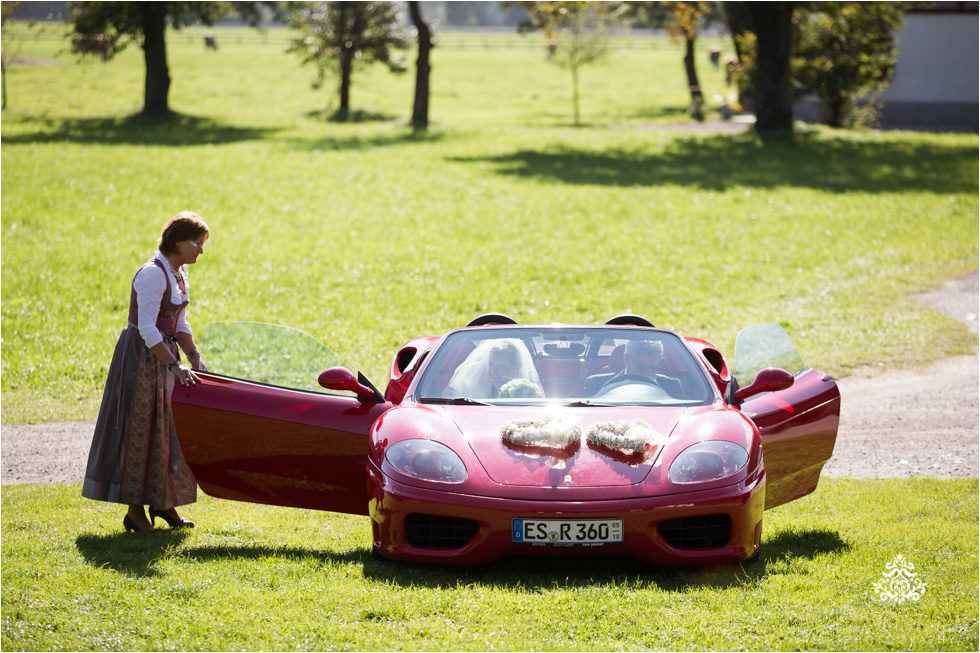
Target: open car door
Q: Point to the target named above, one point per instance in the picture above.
(798, 424)
(259, 428)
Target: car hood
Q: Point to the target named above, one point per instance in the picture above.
(579, 465)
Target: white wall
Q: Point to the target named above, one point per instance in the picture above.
(938, 60)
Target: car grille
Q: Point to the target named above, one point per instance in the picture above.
(438, 532)
(699, 532)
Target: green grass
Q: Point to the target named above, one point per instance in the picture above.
(365, 235)
(261, 578)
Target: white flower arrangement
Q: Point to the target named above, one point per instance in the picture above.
(520, 389)
(634, 437)
(550, 432)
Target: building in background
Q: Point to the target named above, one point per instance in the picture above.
(935, 87)
(936, 76)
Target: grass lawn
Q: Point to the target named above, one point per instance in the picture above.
(260, 578)
(365, 235)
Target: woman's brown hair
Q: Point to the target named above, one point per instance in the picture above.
(186, 225)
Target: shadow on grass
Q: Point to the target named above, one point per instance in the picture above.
(356, 116)
(182, 130)
(720, 161)
(136, 555)
(776, 556)
(209, 553)
(401, 136)
(175, 129)
(130, 554)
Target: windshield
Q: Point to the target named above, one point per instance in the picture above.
(579, 366)
(268, 354)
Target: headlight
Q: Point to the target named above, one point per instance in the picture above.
(707, 461)
(426, 460)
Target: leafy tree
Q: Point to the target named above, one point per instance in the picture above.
(741, 74)
(339, 35)
(581, 32)
(841, 51)
(845, 52)
(681, 20)
(420, 109)
(10, 42)
(739, 21)
(687, 18)
(116, 24)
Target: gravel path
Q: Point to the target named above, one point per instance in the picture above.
(923, 422)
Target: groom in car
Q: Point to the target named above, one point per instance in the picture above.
(643, 357)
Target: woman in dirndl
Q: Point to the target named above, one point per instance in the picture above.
(135, 457)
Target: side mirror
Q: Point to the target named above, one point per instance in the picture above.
(771, 379)
(341, 378)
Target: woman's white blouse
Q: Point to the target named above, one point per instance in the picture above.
(150, 285)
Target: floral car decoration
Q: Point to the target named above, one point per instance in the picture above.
(500, 439)
(548, 432)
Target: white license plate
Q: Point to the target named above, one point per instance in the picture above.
(567, 532)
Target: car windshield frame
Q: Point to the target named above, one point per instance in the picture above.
(566, 360)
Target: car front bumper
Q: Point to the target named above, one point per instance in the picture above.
(479, 528)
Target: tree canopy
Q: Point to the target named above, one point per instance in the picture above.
(579, 33)
(681, 20)
(337, 36)
(844, 53)
(111, 26)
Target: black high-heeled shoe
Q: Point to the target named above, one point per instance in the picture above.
(130, 525)
(173, 523)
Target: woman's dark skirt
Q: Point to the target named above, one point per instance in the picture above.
(135, 457)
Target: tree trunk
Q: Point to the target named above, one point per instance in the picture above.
(774, 37)
(346, 65)
(420, 111)
(697, 98)
(154, 16)
(835, 111)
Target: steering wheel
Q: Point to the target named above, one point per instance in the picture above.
(637, 378)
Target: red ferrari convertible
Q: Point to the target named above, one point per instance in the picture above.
(499, 439)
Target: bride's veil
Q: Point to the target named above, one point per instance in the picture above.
(472, 377)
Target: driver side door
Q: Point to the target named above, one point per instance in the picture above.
(258, 427)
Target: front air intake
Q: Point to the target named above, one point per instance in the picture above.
(438, 532)
(699, 532)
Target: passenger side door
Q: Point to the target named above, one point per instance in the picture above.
(799, 424)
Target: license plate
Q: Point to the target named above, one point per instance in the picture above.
(567, 532)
